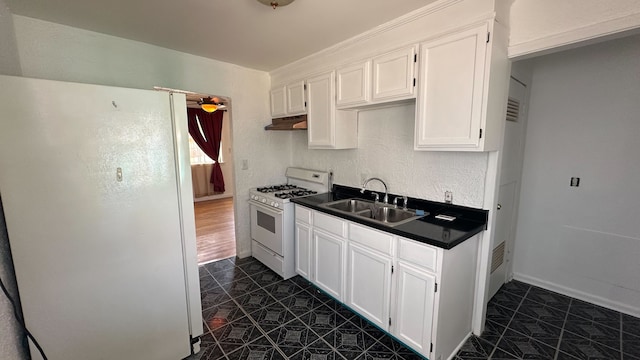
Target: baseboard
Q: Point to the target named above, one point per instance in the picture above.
(455, 351)
(213, 197)
(244, 254)
(614, 305)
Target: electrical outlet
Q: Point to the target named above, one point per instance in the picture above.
(245, 164)
(448, 197)
(575, 181)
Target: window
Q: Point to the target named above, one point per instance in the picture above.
(199, 157)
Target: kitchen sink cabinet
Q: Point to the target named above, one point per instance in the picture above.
(421, 294)
(328, 128)
(288, 100)
(453, 109)
(369, 284)
(329, 255)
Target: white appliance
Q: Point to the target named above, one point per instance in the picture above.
(272, 216)
(96, 190)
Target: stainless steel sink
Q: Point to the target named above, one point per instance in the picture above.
(377, 212)
(350, 205)
(388, 214)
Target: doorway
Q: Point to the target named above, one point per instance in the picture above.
(213, 209)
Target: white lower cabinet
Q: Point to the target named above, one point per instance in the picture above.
(415, 296)
(303, 245)
(369, 284)
(421, 294)
(329, 263)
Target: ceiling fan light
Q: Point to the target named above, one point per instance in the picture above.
(275, 3)
(209, 107)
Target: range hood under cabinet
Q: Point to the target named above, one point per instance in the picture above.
(288, 123)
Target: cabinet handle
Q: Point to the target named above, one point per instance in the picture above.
(499, 206)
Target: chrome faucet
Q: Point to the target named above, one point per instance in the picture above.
(386, 196)
(404, 202)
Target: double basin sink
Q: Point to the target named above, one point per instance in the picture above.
(374, 211)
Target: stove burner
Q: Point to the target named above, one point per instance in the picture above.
(295, 193)
(275, 188)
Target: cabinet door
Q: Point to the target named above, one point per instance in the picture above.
(329, 263)
(393, 75)
(296, 102)
(449, 105)
(278, 102)
(352, 84)
(415, 298)
(369, 284)
(303, 250)
(321, 111)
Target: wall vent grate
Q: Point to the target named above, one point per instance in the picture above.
(513, 110)
(497, 258)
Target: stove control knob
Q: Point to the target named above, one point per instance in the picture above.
(264, 200)
(272, 203)
(276, 205)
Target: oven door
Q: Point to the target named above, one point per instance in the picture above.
(266, 226)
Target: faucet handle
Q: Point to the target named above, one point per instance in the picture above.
(395, 202)
(375, 196)
(404, 202)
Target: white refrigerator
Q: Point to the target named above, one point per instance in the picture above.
(95, 183)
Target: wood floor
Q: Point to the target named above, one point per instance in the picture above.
(215, 231)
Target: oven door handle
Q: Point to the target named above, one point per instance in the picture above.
(265, 207)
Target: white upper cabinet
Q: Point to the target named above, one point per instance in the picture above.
(353, 84)
(278, 102)
(328, 128)
(296, 102)
(393, 75)
(450, 107)
(288, 100)
(382, 79)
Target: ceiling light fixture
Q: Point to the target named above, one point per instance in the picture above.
(275, 3)
(209, 105)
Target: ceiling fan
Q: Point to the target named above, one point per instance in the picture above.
(208, 104)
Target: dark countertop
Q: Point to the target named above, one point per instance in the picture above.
(428, 229)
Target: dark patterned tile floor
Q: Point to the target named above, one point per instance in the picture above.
(527, 322)
(249, 312)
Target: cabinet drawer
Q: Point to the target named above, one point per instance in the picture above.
(418, 254)
(371, 238)
(331, 224)
(303, 214)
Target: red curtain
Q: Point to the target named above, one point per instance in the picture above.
(208, 140)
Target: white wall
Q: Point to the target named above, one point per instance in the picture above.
(58, 52)
(385, 150)
(583, 122)
(548, 25)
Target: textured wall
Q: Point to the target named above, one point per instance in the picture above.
(385, 150)
(583, 121)
(58, 52)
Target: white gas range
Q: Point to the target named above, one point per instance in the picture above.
(272, 217)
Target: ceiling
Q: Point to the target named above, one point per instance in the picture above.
(242, 32)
